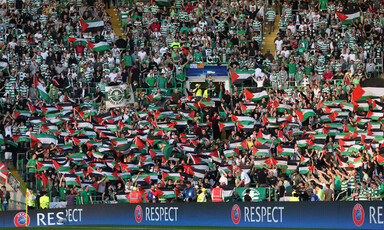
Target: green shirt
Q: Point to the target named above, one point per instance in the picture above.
(180, 77)
(63, 192)
(151, 81)
(292, 68)
(128, 60)
(85, 195)
(31, 162)
(162, 81)
(198, 57)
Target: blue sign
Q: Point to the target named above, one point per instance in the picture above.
(357, 215)
(219, 71)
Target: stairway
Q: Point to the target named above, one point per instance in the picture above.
(17, 199)
(23, 185)
(269, 39)
(116, 23)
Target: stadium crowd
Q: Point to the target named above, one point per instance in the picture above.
(299, 133)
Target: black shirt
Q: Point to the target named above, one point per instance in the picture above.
(247, 198)
(100, 96)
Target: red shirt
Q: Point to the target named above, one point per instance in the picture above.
(80, 49)
(188, 9)
(327, 76)
(153, 27)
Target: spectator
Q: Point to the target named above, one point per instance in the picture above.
(86, 197)
(5, 196)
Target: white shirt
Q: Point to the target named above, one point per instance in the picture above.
(112, 76)
(279, 44)
(223, 179)
(141, 55)
(245, 178)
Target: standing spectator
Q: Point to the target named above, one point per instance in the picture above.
(247, 197)
(189, 192)
(5, 196)
(71, 198)
(328, 193)
(44, 200)
(86, 197)
(271, 15)
(31, 166)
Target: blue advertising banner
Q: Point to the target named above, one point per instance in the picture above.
(216, 71)
(362, 215)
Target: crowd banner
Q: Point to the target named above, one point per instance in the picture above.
(257, 194)
(356, 215)
(115, 96)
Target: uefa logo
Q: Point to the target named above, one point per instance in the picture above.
(21, 219)
(236, 214)
(138, 214)
(358, 215)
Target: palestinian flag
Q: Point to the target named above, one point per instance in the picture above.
(239, 144)
(316, 146)
(247, 108)
(306, 170)
(41, 89)
(270, 162)
(240, 75)
(44, 165)
(18, 139)
(92, 186)
(290, 169)
(304, 114)
(302, 143)
(78, 41)
(245, 125)
(361, 106)
(285, 151)
(355, 162)
(91, 25)
(369, 88)
(242, 118)
(304, 160)
(260, 150)
(347, 19)
(122, 197)
(259, 163)
(43, 138)
(21, 114)
(255, 96)
(226, 125)
(172, 176)
(380, 159)
(62, 167)
(346, 106)
(231, 152)
(166, 193)
(72, 179)
(281, 107)
(281, 162)
(97, 47)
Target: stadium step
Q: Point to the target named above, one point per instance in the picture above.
(116, 23)
(269, 39)
(23, 184)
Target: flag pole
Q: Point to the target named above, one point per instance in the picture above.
(26, 207)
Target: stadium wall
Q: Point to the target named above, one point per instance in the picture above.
(362, 215)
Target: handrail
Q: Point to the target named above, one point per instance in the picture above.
(17, 202)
